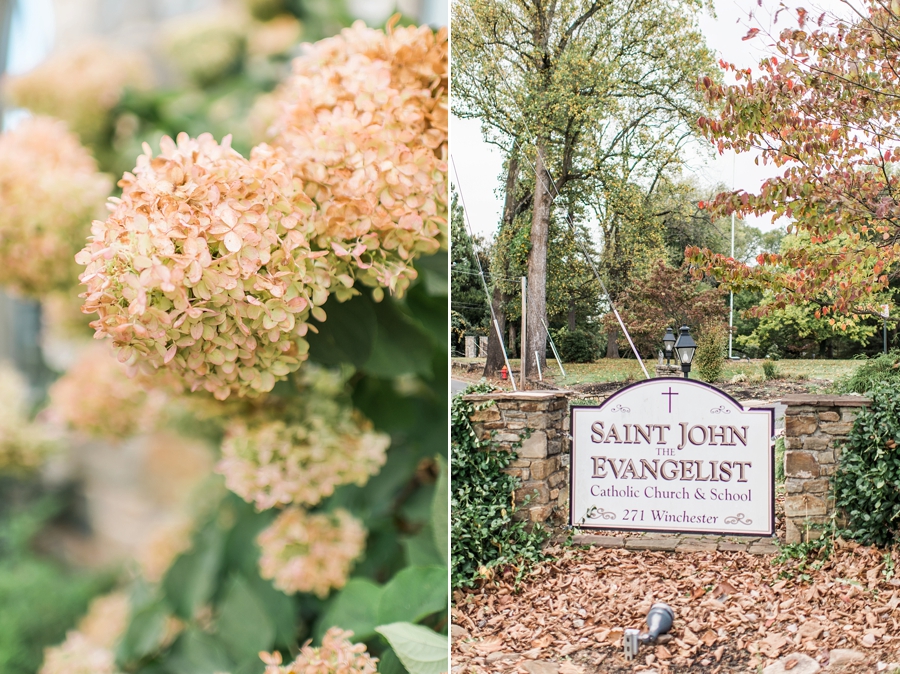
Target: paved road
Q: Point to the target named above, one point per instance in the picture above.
(457, 386)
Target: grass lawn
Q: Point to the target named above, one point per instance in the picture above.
(627, 369)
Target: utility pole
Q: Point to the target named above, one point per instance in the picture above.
(523, 352)
(731, 294)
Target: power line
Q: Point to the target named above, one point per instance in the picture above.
(487, 294)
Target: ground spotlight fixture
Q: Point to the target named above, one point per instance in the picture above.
(685, 348)
(659, 622)
(669, 345)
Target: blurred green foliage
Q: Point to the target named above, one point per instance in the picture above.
(39, 598)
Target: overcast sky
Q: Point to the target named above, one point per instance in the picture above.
(479, 164)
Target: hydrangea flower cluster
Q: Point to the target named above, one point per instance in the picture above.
(23, 444)
(365, 124)
(207, 48)
(96, 397)
(337, 655)
(89, 649)
(323, 444)
(80, 87)
(78, 655)
(205, 267)
(50, 190)
(310, 552)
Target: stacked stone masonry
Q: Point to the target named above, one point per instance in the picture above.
(543, 458)
(814, 428)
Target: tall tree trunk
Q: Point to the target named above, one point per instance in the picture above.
(494, 359)
(513, 348)
(612, 344)
(571, 315)
(536, 339)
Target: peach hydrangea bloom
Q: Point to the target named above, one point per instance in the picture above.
(365, 124)
(310, 552)
(78, 655)
(205, 267)
(337, 655)
(96, 397)
(89, 649)
(163, 545)
(106, 619)
(49, 191)
(324, 443)
(23, 444)
(81, 86)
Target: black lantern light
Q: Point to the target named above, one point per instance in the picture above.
(685, 348)
(669, 345)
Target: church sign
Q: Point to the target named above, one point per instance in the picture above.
(673, 455)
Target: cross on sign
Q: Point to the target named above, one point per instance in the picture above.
(669, 393)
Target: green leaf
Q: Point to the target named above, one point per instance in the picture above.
(198, 653)
(420, 650)
(145, 632)
(244, 625)
(434, 271)
(412, 594)
(389, 663)
(420, 549)
(401, 346)
(355, 608)
(349, 333)
(440, 509)
(191, 581)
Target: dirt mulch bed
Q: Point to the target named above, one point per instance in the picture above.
(772, 389)
(734, 612)
(769, 390)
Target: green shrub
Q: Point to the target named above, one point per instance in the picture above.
(770, 370)
(779, 460)
(577, 346)
(882, 368)
(710, 357)
(865, 484)
(483, 531)
(39, 599)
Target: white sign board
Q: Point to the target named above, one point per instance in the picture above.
(673, 455)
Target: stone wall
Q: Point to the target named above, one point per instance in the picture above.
(814, 426)
(543, 459)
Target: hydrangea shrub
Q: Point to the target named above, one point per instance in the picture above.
(50, 190)
(295, 298)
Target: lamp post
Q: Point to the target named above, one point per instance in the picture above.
(685, 348)
(669, 345)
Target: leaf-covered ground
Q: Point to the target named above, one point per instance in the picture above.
(734, 612)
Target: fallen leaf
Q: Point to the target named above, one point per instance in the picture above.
(709, 638)
(489, 645)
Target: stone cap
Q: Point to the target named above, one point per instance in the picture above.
(517, 395)
(826, 400)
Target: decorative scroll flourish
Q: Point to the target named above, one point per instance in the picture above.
(620, 408)
(721, 409)
(595, 513)
(738, 519)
